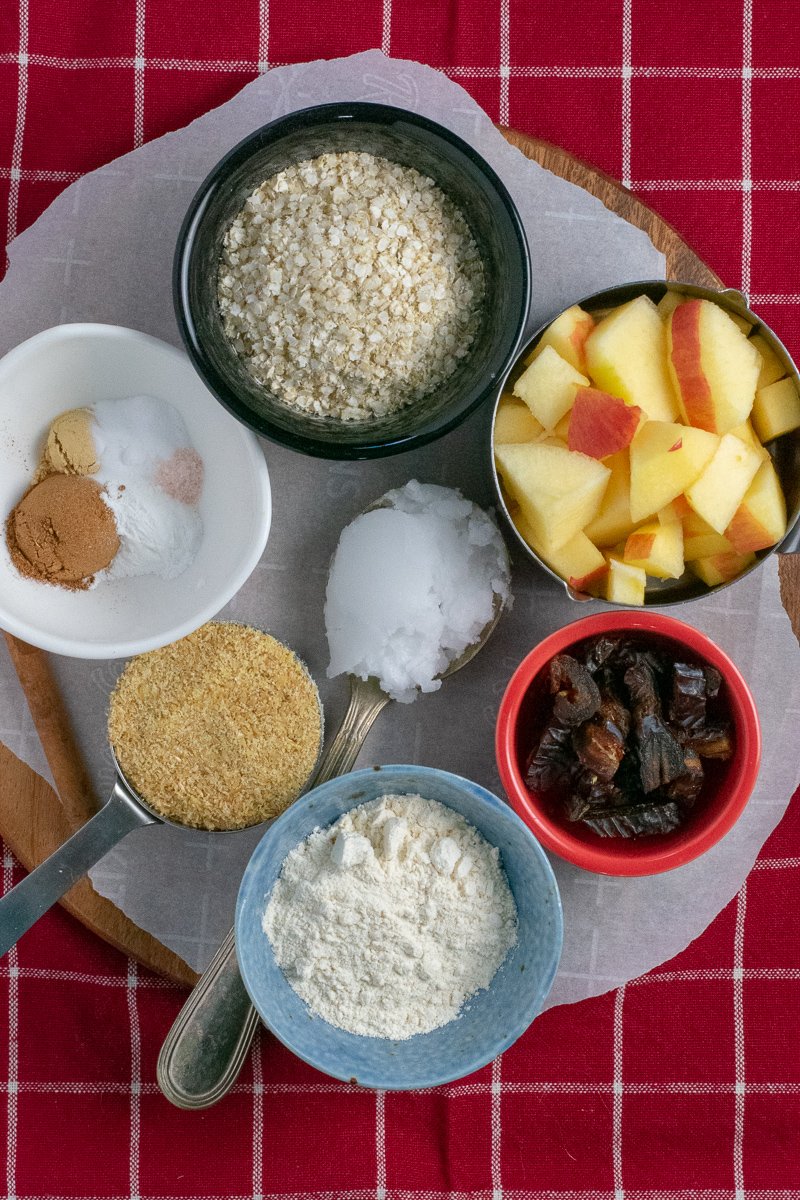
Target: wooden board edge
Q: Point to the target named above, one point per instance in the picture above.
(34, 825)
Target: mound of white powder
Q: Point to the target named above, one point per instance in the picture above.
(145, 455)
(411, 586)
(386, 922)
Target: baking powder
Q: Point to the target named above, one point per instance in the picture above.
(386, 922)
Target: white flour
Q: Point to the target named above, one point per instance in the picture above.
(388, 920)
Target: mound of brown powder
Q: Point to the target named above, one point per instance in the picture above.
(220, 730)
(62, 531)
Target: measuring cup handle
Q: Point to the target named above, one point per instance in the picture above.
(40, 890)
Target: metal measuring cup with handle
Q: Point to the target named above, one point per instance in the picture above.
(124, 811)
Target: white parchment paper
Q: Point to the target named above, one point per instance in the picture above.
(103, 252)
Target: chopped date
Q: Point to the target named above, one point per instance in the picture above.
(660, 754)
(577, 696)
(551, 765)
(599, 747)
(687, 707)
(714, 741)
(640, 680)
(686, 787)
(622, 750)
(635, 820)
(602, 652)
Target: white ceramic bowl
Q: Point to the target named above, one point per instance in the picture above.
(73, 365)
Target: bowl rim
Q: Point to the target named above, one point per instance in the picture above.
(732, 301)
(499, 1042)
(555, 836)
(319, 114)
(75, 647)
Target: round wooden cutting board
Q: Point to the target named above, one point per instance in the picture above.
(34, 821)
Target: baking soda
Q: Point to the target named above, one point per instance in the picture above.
(153, 479)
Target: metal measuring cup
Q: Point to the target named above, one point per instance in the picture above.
(124, 811)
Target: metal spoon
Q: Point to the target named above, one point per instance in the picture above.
(205, 1049)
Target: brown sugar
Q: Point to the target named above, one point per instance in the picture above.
(220, 730)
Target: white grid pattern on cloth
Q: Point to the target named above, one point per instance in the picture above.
(136, 1077)
(738, 1044)
(618, 1089)
(386, 27)
(258, 1122)
(263, 36)
(457, 1091)
(19, 126)
(505, 60)
(477, 1194)
(625, 75)
(380, 1145)
(776, 864)
(251, 66)
(747, 165)
(138, 76)
(12, 1087)
(497, 1128)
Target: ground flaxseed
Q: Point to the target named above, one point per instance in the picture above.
(219, 730)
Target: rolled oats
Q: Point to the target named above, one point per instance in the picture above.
(350, 286)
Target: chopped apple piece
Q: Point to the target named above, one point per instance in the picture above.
(719, 491)
(746, 433)
(666, 459)
(626, 356)
(558, 490)
(713, 366)
(721, 568)
(562, 428)
(760, 520)
(578, 562)
(550, 439)
(601, 425)
(625, 584)
(741, 323)
(548, 387)
(776, 410)
(677, 510)
(772, 369)
(515, 422)
(657, 548)
(613, 521)
(671, 514)
(668, 303)
(700, 540)
(567, 335)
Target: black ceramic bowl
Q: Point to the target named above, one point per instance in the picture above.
(402, 137)
(785, 450)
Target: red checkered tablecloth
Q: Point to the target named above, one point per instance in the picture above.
(686, 1082)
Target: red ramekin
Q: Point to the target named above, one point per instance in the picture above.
(725, 792)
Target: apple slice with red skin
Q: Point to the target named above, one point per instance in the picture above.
(601, 424)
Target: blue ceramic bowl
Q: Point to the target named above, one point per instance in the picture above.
(491, 1021)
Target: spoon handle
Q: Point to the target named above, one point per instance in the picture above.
(30, 899)
(366, 701)
(205, 1049)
